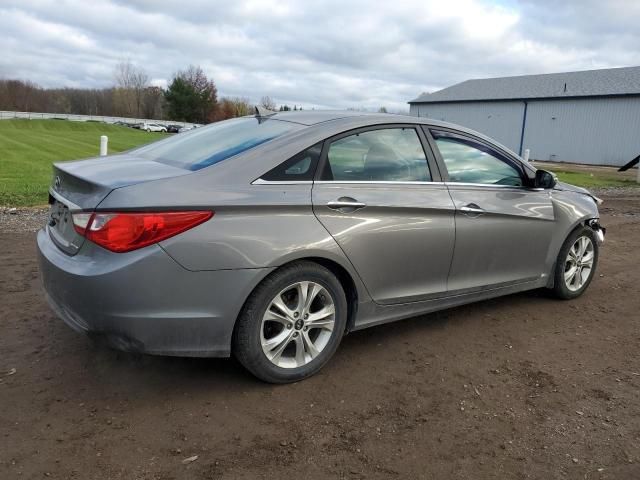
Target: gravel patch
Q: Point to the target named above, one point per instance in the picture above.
(616, 191)
(26, 219)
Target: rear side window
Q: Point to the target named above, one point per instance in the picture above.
(468, 161)
(300, 167)
(389, 154)
(205, 146)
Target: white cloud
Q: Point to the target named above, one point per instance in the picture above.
(326, 54)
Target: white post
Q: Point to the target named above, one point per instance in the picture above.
(525, 157)
(103, 145)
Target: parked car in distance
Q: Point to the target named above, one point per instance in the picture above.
(173, 128)
(270, 237)
(153, 127)
(185, 129)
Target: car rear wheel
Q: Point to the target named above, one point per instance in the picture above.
(576, 264)
(291, 324)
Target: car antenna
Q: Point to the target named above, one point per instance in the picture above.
(263, 113)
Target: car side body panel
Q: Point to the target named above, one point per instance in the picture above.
(508, 243)
(401, 243)
(213, 268)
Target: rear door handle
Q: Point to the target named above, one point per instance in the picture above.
(472, 209)
(346, 204)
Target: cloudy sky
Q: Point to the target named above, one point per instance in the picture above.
(335, 53)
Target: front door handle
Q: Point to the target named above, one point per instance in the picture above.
(472, 209)
(346, 204)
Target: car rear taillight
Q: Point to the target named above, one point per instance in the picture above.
(123, 232)
(80, 222)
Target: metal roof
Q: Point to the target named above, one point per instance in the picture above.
(589, 83)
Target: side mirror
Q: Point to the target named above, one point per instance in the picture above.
(545, 179)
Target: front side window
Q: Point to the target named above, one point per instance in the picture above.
(390, 154)
(468, 161)
(205, 146)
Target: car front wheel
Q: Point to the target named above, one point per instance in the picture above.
(576, 264)
(291, 324)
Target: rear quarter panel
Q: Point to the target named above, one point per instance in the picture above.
(254, 226)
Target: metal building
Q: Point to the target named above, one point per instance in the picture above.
(590, 117)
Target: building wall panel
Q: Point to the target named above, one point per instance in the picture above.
(499, 120)
(596, 131)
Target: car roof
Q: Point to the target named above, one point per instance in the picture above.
(313, 117)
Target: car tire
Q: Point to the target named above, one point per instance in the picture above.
(267, 341)
(567, 285)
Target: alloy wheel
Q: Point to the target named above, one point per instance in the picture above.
(297, 325)
(579, 263)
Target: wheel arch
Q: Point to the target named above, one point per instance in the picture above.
(346, 279)
(583, 222)
(348, 285)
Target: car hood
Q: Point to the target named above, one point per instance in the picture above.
(567, 187)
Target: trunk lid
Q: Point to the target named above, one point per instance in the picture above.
(81, 186)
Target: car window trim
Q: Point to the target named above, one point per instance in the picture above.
(261, 181)
(434, 171)
(510, 159)
(381, 182)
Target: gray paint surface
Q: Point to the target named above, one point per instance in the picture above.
(409, 250)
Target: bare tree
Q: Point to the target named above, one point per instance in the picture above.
(131, 83)
(153, 103)
(232, 107)
(268, 103)
(242, 106)
(21, 95)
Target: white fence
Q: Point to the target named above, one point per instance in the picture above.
(5, 115)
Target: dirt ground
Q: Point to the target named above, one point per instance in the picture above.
(523, 386)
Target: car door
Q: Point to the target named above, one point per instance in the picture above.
(382, 199)
(503, 225)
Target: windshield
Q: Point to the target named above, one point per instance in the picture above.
(205, 146)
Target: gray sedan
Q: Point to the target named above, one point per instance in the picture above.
(269, 237)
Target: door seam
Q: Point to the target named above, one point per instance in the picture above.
(313, 210)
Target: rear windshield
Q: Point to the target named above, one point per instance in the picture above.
(205, 146)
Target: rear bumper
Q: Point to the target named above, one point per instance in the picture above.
(143, 300)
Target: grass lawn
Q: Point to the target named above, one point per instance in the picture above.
(590, 176)
(29, 147)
